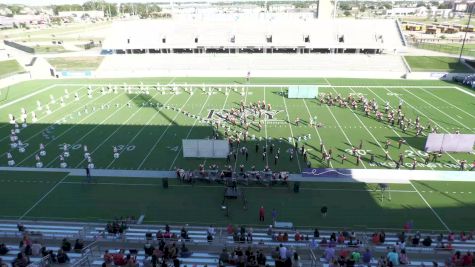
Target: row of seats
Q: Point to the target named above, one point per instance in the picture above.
(14, 250)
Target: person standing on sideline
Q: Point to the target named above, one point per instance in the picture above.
(262, 213)
(88, 174)
(324, 211)
(274, 215)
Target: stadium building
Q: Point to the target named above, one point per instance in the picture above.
(253, 34)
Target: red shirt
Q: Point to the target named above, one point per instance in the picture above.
(261, 211)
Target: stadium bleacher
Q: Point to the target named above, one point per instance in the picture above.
(207, 253)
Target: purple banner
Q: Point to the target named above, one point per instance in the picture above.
(326, 172)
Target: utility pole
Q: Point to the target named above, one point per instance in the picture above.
(466, 32)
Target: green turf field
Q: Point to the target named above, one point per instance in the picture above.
(438, 64)
(148, 134)
(450, 48)
(75, 63)
(56, 196)
(9, 67)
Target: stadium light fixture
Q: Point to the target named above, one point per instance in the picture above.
(465, 35)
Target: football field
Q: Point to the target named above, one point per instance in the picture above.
(146, 126)
(59, 196)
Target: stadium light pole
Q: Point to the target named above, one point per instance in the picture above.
(465, 35)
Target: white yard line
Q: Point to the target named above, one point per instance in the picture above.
(40, 132)
(43, 197)
(316, 129)
(463, 125)
(405, 101)
(265, 130)
(124, 123)
(140, 131)
(464, 91)
(392, 128)
(93, 129)
(370, 133)
(290, 127)
(189, 132)
(339, 126)
(267, 85)
(163, 134)
(247, 187)
(36, 151)
(237, 152)
(441, 99)
(52, 113)
(428, 205)
(28, 96)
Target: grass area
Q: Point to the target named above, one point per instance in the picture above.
(148, 128)
(75, 63)
(9, 67)
(440, 20)
(45, 49)
(351, 205)
(452, 48)
(436, 64)
(55, 31)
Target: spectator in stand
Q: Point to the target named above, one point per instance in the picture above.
(3, 264)
(78, 245)
(21, 260)
(416, 239)
(356, 256)
(467, 259)
(184, 234)
(367, 257)
(329, 254)
(146, 262)
(261, 259)
(62, 257)
(270, 230)
(108, 259)
(184, 251)
(131, 261)
(167, 228)
(224, 256)
(21, 227)
(66, 245)
(316, 233)
(148, 249)
(3, 249)
(457, 259)
(427, 242)
(282, 251)
(211, 230)
(36, 249)
(403, 258)
(393, 257)
(451, 237)
(119, 258)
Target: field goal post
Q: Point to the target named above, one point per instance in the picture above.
(205, 148)
(302, 91)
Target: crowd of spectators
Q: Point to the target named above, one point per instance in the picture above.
(33, 248)
(242, 257)
(118, 226)
(162, 253)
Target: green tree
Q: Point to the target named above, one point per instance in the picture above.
(420, 4)
(444, 6)
(388, 5)
(15, 9)
(345, 6)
